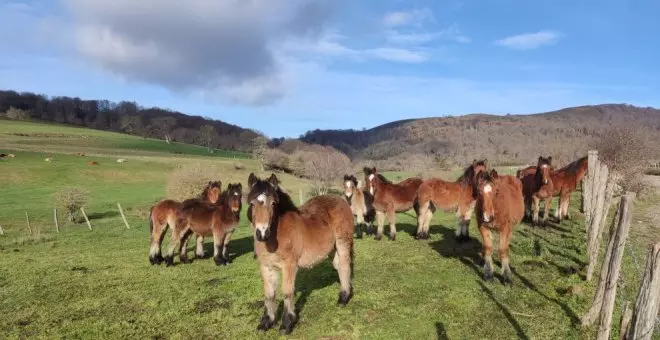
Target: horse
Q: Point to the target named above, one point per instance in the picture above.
(202, 218)
(499, 208)
(361, 204)
(390, 198)
(565, 181)
(537, 185)
(436, 193)
(164, 214)
(287, 237)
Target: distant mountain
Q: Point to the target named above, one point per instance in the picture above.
(515, 139)
(127, 117)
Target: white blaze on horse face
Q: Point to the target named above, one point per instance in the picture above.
(235, 194)
(371, 177)
(488, 188)
(261, 198)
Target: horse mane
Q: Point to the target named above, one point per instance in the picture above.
(383, 179)
(468, 174)
(575, 165)
(284, 201)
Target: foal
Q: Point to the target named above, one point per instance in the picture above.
(499, 208)
(361, 204)
(205, 219)
(538, 185)
(565, 181)
(164, 214)
(436, 193)
(390, 198)
(287, 238)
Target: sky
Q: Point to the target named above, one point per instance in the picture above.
(284, 67)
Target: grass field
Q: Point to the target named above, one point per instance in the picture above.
(99, 284)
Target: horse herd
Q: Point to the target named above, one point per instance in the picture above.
(287, 237)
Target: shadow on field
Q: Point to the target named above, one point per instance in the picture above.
(236, 247)
(309, 280)
(569, 312)
(466, 252)
(441, 331)
(507, 313)
(98, 216)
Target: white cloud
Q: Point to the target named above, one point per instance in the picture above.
(397, 54)
(529, 41)
(200, 45)
(404, 18)
(451, 33)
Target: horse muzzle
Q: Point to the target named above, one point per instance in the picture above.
(261, 233)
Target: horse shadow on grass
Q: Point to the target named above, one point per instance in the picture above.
(102, 215)
(236, 247)
(441, 331)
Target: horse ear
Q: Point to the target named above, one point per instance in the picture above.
(474, 161)
(485, 161)
(493, 174)
(550, 160)
(273, 180)
(239, 186)
(252, 179)
(373, 169)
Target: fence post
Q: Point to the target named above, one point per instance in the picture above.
(57, 225)
(2, 232)
(625, 320)
(89, 225)
(300, 196)
(122, 216)
(27, 218)
(648, 299)
(603, 304)
(598, 213)
(592, 158)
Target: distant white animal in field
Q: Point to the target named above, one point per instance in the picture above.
(121, 160)
(11, 155)
(49, 159)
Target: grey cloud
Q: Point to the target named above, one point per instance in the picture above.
(228, 48)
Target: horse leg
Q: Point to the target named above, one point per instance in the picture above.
(488, 253)
(225, 246)
(465, 222)
(360, 222)
(218, 241)
(380, 218)
(288, 283)
(183, 250)
(269, 277)
(421, 219)
(505, 239)
(528, 207)
(391, 216)
(175, 241)
(157, 235)
(546, 210)
(566, 203)
(343, 263)
(199, 249)
(535, 211)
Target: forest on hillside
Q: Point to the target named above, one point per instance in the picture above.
(126, 117)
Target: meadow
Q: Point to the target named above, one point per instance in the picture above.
(99, 284)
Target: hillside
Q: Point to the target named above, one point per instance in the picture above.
(126, 117)
(506, 139)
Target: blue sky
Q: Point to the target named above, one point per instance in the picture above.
(287, 66)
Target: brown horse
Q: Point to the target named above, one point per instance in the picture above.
(565, 181)
(361, 203)
(537, 185)
(164, 214)
(436, 193)
(390, 198)
(287, 238)
(206, 219)
(499, 208)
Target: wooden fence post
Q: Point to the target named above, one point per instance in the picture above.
(89, 225)
(648, 299)
(596, 219)
(57, 225)
(300, 196)
(603, 304)
(625, 320)
(123, 217)
(27, 218)
(2, 232)
(592, 158)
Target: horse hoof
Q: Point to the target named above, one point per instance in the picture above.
(265, 324)
(220, 261)
(288, 321)
(488, 277)
(344, 297)
(359, 236)
(169, 261)
(186, 260)
(378, 237)
(392, 237)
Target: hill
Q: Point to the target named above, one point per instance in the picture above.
(126, 117)
(517, 139)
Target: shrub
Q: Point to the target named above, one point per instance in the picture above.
(70, 200)
(17, 114)
(323, 166)
(188, 181)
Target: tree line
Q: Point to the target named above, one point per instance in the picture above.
(126, 117)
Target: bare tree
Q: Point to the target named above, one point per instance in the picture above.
(130, 124)
(164, 126)
(17, 114)
(207, 132)
(323, 165)
(259, 150)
